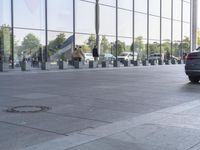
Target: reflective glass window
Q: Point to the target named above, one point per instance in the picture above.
(108, 2)
(177, 9)
(166, 8)
(127, 4)
(60, 15)
(154, 27)
(85, 17)
(59, 46)
(154, 7)
(141, 6)
(186, 12)
(107, 20)
(107, 44)
(154, 46)
(29, 46)
(125, 23)
(140, 25)
(5, 13)
(177, 31)
(5, 43)
(29, 14)
(166, 29)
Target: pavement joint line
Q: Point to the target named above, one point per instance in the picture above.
(82, 118)
(42, 130)
(90, 135)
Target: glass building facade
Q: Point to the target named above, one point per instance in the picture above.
(47, 30)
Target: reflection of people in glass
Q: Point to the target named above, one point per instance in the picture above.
(78, 54)
(95, 53)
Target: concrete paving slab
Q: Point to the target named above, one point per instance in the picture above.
(51, 122)
(163, 136)
(17, 137)
(112, 144)
(91, 112)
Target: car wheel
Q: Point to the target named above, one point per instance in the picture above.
(194, 79)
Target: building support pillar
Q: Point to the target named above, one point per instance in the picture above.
(194, 24)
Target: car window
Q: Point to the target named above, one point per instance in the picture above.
(123, 54)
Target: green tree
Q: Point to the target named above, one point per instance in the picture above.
(198, 34)
(121, 47)
(105, 45)
(91, 42)
(30, 45)
(139, 47)
(57, 43)
(5, 40)
(154, 48)
(186, 44)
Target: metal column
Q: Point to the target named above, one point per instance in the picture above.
(12, 33)
(97, 24)
(194, 23)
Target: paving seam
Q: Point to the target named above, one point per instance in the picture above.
(89, 135)
(42, 130)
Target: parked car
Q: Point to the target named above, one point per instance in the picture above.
(127, 56)
(192, 66)
(88, 57)
(156, 56)
(107, 57)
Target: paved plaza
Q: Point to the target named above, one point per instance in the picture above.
(135, 108)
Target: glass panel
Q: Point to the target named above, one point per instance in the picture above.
(127, 4)
(5, 44)
(29, 14)
(107, 20)
(186, 37)
(125, 23)
(140, 47)
(106, 44)
(86, 41)
(85, 17)
(108, 2)
(176, 49)
(166, 8)
(29, 46)
(177, 31)
(60, 46)
(140, 25)
(5, 13)
(154, 46)
(154, 27)
(166, 49)
(166, 29)
(60, 15)
(186, 12)
(177, 9)
(154, 7)
(141, 5)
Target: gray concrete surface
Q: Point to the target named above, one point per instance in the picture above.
(136, 108)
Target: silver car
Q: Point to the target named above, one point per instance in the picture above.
(192, 67)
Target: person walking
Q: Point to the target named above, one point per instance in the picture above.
(95, 54)
(78, 54)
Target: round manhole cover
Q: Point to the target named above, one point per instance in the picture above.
(28, 109)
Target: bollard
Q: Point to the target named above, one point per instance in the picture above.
(160, 62)
(76, 65)
(126, 63)
(136, 63)
(91, 64)
(116, 63)
(45, 66)
(4, 67)
(145, 63)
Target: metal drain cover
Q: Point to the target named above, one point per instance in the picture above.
(28, 109)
